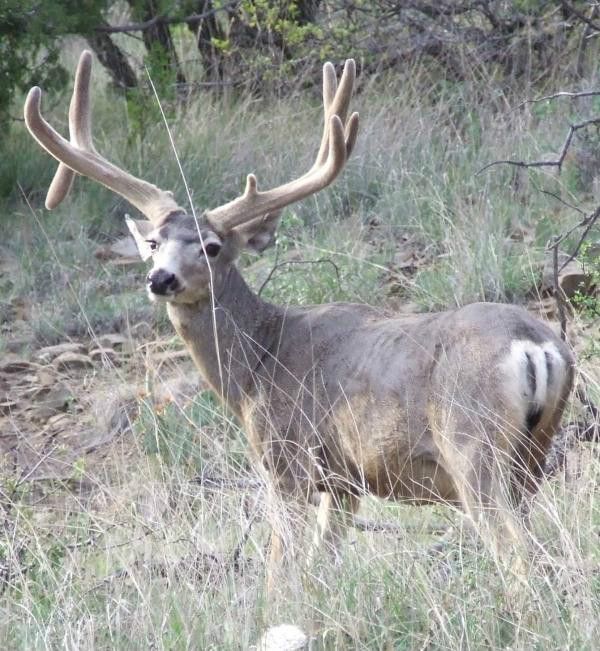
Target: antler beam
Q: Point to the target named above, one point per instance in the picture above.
(79, 155)
(337, 142)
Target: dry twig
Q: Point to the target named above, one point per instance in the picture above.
(573, 128)
(562, 93)
(278, 265)
(582, 17)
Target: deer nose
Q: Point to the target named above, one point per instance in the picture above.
(162, 282)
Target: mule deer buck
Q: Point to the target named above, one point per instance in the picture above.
(338, 400)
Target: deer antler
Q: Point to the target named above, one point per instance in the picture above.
(79, 155)
(337, 142)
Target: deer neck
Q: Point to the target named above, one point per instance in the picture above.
(230, 343)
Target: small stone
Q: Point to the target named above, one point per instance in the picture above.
(104, 355)
(72, 361)
(46, 377)
(7, 406)
(408, 308)
(58, 421)
(12, 363)
(170, 356)
(41, 414)
(574, 280)
(48, 353)
(56, 398)
(111, 340)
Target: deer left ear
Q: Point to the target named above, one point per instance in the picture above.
(258, 234)
(140, 229)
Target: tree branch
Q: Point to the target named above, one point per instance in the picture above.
(588, 21)
(546, 163)
(558, 292)
(164, 20)
(564, 93)
(587, 223)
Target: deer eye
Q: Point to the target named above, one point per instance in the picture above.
(212, 249)
(153, 244)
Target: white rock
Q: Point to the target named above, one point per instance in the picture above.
(285, 637)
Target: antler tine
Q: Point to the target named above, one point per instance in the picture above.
(337, 142)
(80, 130)
(80, 113)
(79, 155)
(351, 133)
(335, 100)
(60, 186)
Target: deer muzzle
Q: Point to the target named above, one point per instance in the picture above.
(161, 282)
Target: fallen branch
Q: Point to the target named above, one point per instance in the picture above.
(290, 262)
(590, 433)
(211, 482)
(239, 548)
(560, 200)
(587, 223)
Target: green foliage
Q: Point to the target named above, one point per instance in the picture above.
(187, 436)
(21, 164)
(259, 44)
(529, 6)
(157, 89)
(284, 22)
(301, 273)
(31, 42)
(587, 299)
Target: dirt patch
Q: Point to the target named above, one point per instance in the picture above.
(63, 406)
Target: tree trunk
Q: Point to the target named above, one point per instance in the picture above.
(206, 30)
(158, 34)
(115, 62)
(307, 11)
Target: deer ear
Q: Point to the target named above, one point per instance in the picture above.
(258, 234)
(139, 229)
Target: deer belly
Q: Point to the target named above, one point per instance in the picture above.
(419, 480)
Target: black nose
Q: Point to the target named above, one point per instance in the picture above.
(162, 282)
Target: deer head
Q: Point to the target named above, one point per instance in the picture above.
(190, 255)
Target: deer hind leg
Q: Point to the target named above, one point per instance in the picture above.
(531, 461)
(478, 455)
(536, 381)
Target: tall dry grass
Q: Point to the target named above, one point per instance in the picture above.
(134, 551)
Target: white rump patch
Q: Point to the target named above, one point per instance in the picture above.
(527, 377)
